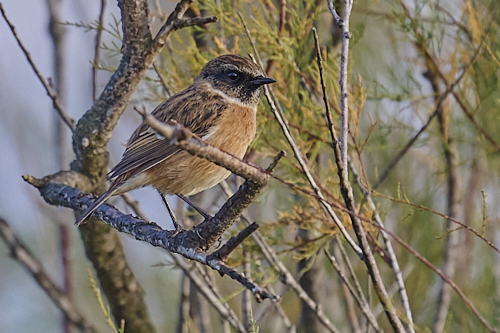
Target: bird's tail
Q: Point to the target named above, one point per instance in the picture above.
(99, 201)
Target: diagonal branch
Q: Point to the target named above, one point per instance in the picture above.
(286, 276)
(51, 92)
(187, 243)
(210, 295)
(23, 255)
(362, 305)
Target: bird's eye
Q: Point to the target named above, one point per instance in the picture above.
(233, 76)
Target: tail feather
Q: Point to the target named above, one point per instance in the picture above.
(99, 201)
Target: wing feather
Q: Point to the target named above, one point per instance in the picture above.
(196, 108)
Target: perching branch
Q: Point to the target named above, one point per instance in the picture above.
(193, 245)
(190, 244)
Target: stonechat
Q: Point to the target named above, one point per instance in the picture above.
(219, 107)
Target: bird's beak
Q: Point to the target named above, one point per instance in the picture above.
(261, 80)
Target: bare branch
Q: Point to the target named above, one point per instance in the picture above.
(345, 186)
(362, 305)
(234, 242)
(446, 279)
(23, 255)
(336, 16)
(187, 243)
(388, 244)
(223, 309)
(286, 277)
(199, 21)
(52, 94)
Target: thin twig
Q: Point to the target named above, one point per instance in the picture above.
(286, 277)
(471, 117)
(334, 13)
(266, 310)
(388, 244)
(347, 261)
(362, 304)
(446, 279)
(246, 301)
(134, 205)
(162, 79)
(234, 242)
(424, 208)
(52, 94)
(97, 49)
(222, 308)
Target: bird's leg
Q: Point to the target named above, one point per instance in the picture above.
(199, 210)
(171, 212)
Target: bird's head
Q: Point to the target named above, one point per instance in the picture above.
(236, 77)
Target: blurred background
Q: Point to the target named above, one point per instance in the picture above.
(394, 84)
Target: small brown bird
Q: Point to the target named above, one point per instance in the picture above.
(219, 107)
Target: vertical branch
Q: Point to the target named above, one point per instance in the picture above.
(57, 33)
(246, 298)
(452, 239)
(390, 250)
(346, 189)
(343, 24)
(97, 50)
(363, 305)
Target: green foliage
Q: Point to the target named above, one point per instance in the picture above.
(105, 309)
(397, 50)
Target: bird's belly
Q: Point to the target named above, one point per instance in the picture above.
(186, 174)
(183, 173)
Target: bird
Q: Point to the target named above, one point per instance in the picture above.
(220, 107)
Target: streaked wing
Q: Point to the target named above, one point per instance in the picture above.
(196, 108)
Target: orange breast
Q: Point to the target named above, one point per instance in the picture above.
(185, 174)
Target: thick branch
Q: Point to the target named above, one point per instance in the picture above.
(187, 243)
